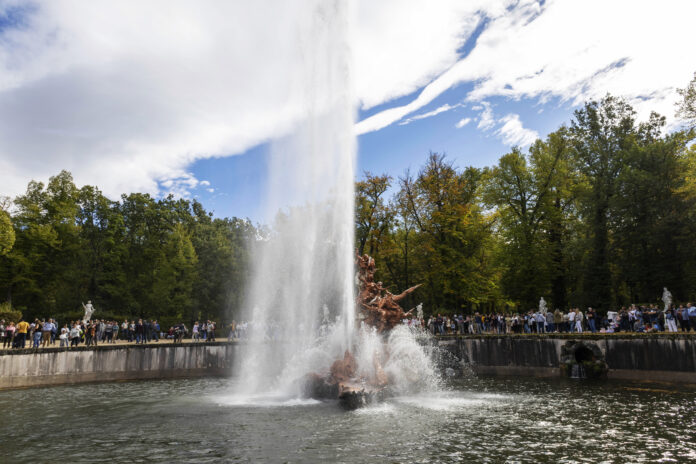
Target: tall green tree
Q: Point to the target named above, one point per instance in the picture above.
(7, 235)
(603, 134)
(451, 252)
(531, 197)
(372, 216)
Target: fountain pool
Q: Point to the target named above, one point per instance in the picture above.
(470, 420)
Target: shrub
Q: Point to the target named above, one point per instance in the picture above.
(9, 314)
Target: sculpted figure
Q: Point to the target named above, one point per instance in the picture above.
(419, 311)
(666, 298)
(89, 309)
(378, 307)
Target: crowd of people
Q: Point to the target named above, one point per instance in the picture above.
(639, 319)
(636, 318)
(48, 332)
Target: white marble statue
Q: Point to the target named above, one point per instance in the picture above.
(419, 311)
(666, 298)
(542, 306)
(89, 309)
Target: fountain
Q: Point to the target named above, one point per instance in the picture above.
(380, 313)
(303, 322)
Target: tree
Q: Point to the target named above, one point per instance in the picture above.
(651, 239)
(372, 217)
(531, 198)
(140, 257)
(686, 108)
(7, 234)
(602, 135)
(451, 249)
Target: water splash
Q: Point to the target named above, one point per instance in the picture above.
(303, 270)
(302, 287)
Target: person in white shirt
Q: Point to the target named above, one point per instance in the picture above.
(571, 320)
(64, 336)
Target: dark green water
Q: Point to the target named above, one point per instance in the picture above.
(477, 420)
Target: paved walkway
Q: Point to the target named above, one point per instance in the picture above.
(28, 345)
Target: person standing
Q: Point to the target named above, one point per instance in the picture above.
(63, 337)
(670, 319)
(22, 329)
(550, 323)
(89, 334)
(37, 333)
(54, 331)
(74, 335)
(591, 320)
(204, 331)
(211, 331)
(691, 309)
(578, 320)
(101, 330)
(683, 317)
(46, 329)
(540, 321)
(9, 335)
(558, 320)
(571, 320)
(140, 332)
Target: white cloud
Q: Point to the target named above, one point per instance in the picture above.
(486, 119)
(513, 133)
(574, 51)
(402, 45)
(462, 123)
(429, 114)
(128, 94)
(205, 183)
(509, 128)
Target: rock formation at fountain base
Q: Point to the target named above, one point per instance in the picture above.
(377, 308)
(343, 383)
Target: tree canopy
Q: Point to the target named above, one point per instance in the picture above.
(601, 212)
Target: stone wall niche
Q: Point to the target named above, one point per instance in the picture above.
(581, 359)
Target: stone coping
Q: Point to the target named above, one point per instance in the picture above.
(116, 346)
(576, 336)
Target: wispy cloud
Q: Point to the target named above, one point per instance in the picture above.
(509, 128)
(486, 119)
(540, 50)
(429, 114)
(462, 123)
(512, 132)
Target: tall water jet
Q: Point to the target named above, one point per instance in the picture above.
(303, 270)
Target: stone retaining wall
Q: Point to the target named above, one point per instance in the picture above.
(670, 358)
(56, 366)
(651, 358)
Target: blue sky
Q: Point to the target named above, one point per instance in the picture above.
(185, 98)
(239, 181)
